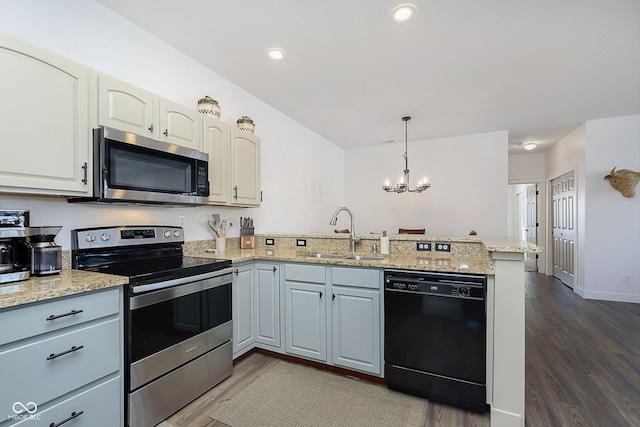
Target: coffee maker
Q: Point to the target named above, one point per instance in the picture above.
(46, 256)
(15, 252)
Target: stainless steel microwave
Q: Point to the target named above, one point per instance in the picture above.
(129, 168)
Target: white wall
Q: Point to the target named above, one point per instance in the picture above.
(469, 186)
(612, 246)
(302, 173)
(608, 225)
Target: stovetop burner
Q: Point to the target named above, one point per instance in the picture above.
(167, 269)
(144, 254)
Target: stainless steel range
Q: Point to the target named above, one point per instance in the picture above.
(177, 313)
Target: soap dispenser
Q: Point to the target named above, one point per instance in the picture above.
(384, 243)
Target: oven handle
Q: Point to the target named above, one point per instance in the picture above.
(166, 294)
(180, 281)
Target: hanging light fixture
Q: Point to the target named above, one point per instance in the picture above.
(402, 184)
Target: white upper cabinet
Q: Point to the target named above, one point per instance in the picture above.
(126, 107)
(44, 121)
(234, 164)
(216, 142)
(245, 169)
(131, 109)
(179, 125)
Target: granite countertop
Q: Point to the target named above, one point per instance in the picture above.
(491, 243)
(71, 282)
(68, 282)
(428, 262)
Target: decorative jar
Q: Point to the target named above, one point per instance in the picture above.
(246, 124)
(209, 107)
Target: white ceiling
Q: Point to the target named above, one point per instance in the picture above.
(537, 68)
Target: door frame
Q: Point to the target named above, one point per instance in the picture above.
(543, 215)
(577, 229)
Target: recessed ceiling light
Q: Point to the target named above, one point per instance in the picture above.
(275, 53)
(529, 146)
(402, 12)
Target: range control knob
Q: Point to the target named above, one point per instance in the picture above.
(104, 237)
(167, 234)
(89, 238)
(463, 291)
(176, 233)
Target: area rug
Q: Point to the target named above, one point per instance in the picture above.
(290, 395)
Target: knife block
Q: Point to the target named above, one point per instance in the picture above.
(247, 242)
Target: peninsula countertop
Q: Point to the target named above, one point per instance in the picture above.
(72, 282)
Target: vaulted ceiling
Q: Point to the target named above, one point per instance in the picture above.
(537, 68)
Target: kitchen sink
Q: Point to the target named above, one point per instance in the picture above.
(321, 255)
(365, 258)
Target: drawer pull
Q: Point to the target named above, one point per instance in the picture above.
(74, 414)
(71, 350)
(71, 313)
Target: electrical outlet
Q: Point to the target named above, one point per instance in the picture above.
(443, 247)
(301, 242)
(423, 246)
(269, 242)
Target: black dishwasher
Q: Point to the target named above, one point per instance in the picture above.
(435, 336)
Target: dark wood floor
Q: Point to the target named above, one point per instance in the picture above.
(582, 366)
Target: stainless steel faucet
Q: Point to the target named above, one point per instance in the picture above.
(352, 235)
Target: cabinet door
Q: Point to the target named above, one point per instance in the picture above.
(179, 125)
(243, 299)
(126, 107)
(44, 121)
(356, 328)
(305, 323)
(216, 143)
(268, 304)
(245, 169)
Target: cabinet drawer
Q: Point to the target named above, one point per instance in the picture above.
(97, 406)
(360, 277)
(305, 273)
(32, 320)
(34, 378)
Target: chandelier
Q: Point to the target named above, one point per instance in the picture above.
(402, 184)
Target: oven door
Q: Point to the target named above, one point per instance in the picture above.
(170, 326)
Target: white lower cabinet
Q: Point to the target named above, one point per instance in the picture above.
(89, 408)
(306, 324)
(243, 298)
(356, 328)
(268, 304)
(305, 311)
(64, 362)
(328, 314)
(355, 318)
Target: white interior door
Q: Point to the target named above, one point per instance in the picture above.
(564, 202)
(531, 225)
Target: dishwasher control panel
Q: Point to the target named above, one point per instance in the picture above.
(442, 284)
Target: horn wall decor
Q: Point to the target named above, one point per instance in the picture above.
(624, 181)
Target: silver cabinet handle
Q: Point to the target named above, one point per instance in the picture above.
(151, 128)
(84, 168)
